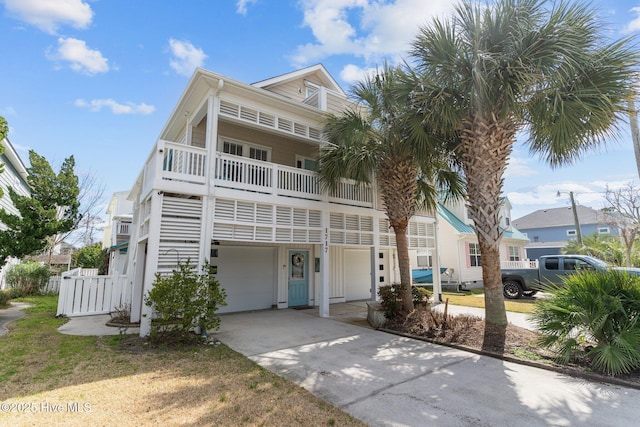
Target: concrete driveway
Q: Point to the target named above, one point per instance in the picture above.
(386, 380)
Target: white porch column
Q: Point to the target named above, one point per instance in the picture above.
(375, 260)
(325, 269)
(435, 256)
(211, 137)
(151, 264)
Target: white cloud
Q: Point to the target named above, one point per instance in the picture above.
(518, 167)
(634, 25)
(241, 6)
(186, 57)
(96, 105)
(49, 15)
(352, 73)
(370, 29)
(81, 58)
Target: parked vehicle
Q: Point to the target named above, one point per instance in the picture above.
(551, 269)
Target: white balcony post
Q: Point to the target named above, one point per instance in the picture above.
(275, 184)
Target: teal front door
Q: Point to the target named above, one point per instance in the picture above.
(298, 278)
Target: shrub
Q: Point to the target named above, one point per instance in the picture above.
(593, 314)
(4, 298)
(391, 299)
(182, 301)
(29, 277)
(14, 293)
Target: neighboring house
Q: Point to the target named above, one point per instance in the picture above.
(118, 232)
(14, 176)
(549, 230)
(230, 181)
(458, 244)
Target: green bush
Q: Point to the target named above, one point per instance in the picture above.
(29, 277)
(594, 314)
(14, 293)
(391, 299)
(4, 298)
(182, 301)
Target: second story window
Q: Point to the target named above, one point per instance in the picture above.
(258, 154)
(571, 233)
(231, 148)
(245, 149)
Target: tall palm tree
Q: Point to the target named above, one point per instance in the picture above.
(532, 66)
(376, 139)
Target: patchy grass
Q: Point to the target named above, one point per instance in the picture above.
(524, 305)
(54, 379)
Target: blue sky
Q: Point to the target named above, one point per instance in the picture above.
(99, 78)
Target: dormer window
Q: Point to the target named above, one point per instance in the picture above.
(310, 88)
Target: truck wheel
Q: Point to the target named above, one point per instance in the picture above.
(511, 289)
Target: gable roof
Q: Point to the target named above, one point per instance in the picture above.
(559, 217)
(318, 70)
(454, 221)
(463, 228)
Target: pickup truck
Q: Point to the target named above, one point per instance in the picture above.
(551, 269)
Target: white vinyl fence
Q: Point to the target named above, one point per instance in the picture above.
(88, 295)
(53, 286)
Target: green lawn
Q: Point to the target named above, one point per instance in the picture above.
(123, 380)
(476, 299)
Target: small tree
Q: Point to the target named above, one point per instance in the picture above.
(89, 256)
(182, 301)
(624, 213)
(52, 208)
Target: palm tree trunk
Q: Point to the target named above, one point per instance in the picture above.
(486, 145)
(495, 326)
(402, 245)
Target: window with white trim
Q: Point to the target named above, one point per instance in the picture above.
(603, 230)
(571, 233)
(474, 254)
(514, 253)
(246, 149)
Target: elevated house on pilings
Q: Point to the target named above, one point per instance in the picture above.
(231, 182)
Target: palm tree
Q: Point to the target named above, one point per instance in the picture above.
(531, 66)
(373, 140)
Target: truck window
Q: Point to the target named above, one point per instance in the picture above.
(551, 263)
(571, 264)
(583, 265)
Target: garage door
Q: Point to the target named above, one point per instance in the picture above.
(248, 276)
(357, 274)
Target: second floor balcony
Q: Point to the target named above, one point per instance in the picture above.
(181, 168)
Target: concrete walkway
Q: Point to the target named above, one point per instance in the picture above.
(386, 380)
(10, 314)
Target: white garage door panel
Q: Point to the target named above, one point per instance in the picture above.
(248, 276)
(357, 274)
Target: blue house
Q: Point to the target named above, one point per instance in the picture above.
(549, 230)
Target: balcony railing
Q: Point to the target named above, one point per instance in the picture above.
(519, 264)
(184, 165)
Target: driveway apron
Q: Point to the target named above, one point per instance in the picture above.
(387, 380)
